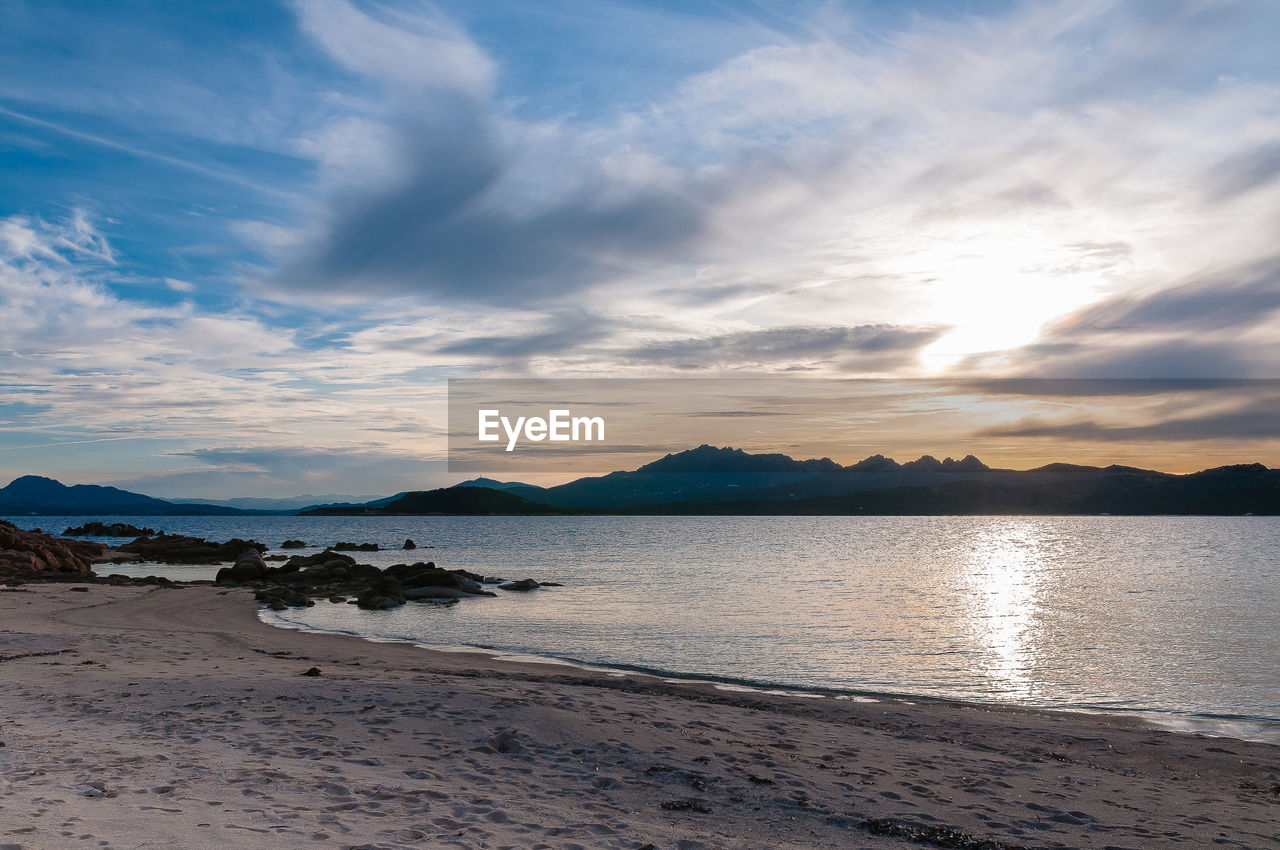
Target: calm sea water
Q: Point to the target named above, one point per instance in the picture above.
(1174, 617)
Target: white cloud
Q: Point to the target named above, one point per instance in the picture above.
(415, 51)
(88, 366)
(957, 174)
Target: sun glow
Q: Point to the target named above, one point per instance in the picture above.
(1004, 576)
(997, 294)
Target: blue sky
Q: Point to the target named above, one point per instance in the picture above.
(242, 245)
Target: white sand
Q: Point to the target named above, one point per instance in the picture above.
(173, 718)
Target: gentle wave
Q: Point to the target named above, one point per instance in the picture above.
(1256, 729)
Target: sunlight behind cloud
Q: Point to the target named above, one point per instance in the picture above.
(996, 292)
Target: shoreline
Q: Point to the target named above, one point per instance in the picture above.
(1206, 725)
(177, 716)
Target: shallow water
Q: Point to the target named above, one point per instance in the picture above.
(1176, 617)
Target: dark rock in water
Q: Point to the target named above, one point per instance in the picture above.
(249, 566)
(418, 594)
(179, 549)
(293, 544)
(26, 553)
(286, 596)
(314, 671)
(315, 573)
(328, 556)
(409, 544)
(116, 529)
(117, 580)
(377, 602)
(344, 546)
(522, 584)
(550, 584)
(275, 557)
(382, 593)
(338, 578)
(427, 574)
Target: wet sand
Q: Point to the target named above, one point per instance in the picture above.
(153, 717)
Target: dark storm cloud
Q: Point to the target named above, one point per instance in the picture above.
(792, 343)
(441, 232)
(1236, 299)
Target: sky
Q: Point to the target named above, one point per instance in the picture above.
(244, 245)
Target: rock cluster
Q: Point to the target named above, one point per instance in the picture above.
(31, 553)
(179, 549)
(293, 544)
(337, 577)
(522, 584)
(344, 546)
(116, 529)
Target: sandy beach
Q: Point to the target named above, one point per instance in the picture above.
(155, 717)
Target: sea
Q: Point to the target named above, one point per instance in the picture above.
(1175, 620)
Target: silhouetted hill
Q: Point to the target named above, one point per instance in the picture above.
(707, 458)
(449, 500)
(1227, 491)
(493, 484)
(35, 494)
(532, 492)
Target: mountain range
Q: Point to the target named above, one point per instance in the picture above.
(725, 481)
(712, 480)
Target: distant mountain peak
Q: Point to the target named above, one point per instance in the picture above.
(968, 463)
(875, 463)
(929, 463)
(36, 494)
(494, 484)
(34, 484)
(925, 463)
(713, 459)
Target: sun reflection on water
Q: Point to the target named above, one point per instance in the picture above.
(1003, 576)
